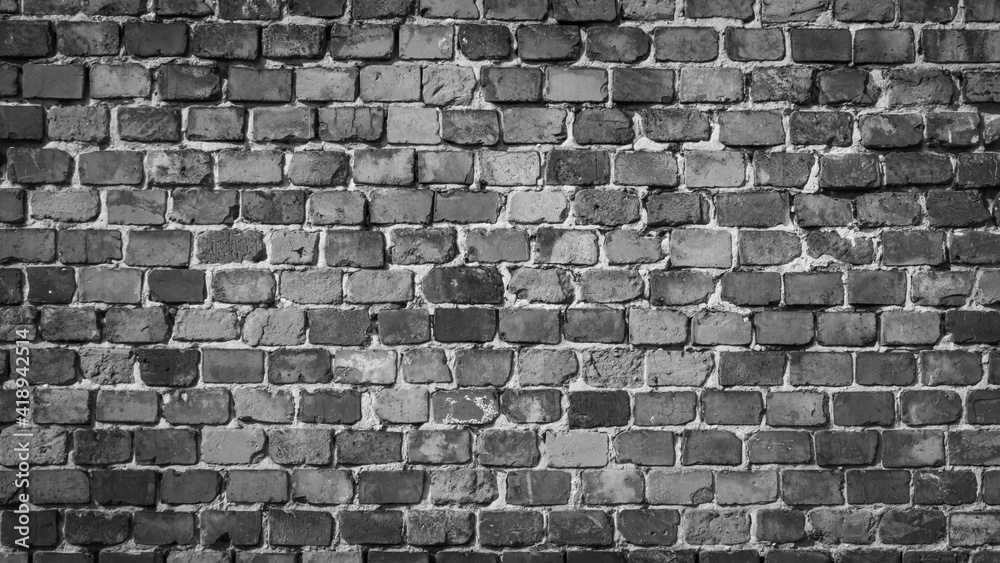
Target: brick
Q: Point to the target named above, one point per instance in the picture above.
(912, 526)
(23, 122)
(59, 324)
(387, 83)
(951, 368)
(119, 81)
(599, 10)
(846, 86)
(539, 405)
(232, 366)
(602, 127)
(857, 526)
(465, 325)
(300, 446)
(188, 83)
(463, 286)
(713, 248)
(172, 368)
(229, 446)
(225, 41)
(283, 124)
(797, 409)
(779, 446)
(580, 527)
(365, 366)
(821, 128)
(440, 447)
(675, 125)
(716, 527)
(623, 45)
(244, 286)
(215, 124)
(236, 527)
(510, 528)
(820, 45)
(780, 525)
(711, 85)
(78, 123)
(365, 447)
(448, 85)
(164, 528)
(714, 328)
(330, 407)
(628, 248)
(863, 409)
(812, 487)
(362, 41)
(59, 82)
(166, 446)
(61, 486)
(136, 325)
(92, 527)
(642, 85)
(664, 408)
(176, 286)
(87, 38)
(575, 85)
(430, 42)
(23, 39)
(249, 167)
(262, 85)
(199, 485)
(470, 127)
(752, 44)
(321, 84)
(484, 42)
(293, 41)
(347, 327)
(835, 448)
(686, 44)
(529, 326)
(731, 407)
(883, 46)
(715, 169)
(751, 288)
(515, 9)
(601, 207)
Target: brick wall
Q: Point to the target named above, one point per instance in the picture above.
(503, 281)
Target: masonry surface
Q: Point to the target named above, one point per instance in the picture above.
(502, 281)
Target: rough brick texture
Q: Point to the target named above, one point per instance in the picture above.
(502, 281)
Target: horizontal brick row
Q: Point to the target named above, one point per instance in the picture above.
(449, 85)
(399, 167)
(531, 488)
(602, 368)
(477, 42)
(381, 207)
(541, 554)
(526, 405)
(428, 126)
(589, 206)
(442, 527)
(291, 326)
(469, 284)
(771, 11)
(520, 448)
(584, 527)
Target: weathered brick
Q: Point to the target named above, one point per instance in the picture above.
(433, 225)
